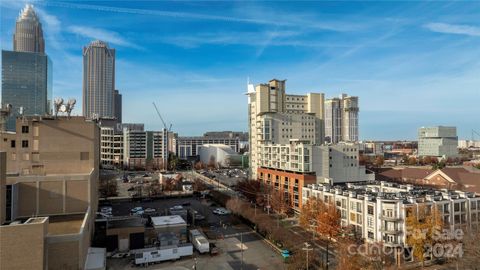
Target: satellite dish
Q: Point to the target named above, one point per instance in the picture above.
(63, 108)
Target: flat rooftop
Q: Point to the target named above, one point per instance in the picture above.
(125, 223)
(68, 224)
(168, 220)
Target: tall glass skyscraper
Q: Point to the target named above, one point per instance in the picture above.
(27, 71)
(98, 80)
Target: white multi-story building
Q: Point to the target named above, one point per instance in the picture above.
(145, 148)
(439, 141)
(468, 143)
(341, 119)
(277, 118)
(329, 163)
(111, 146)
(377, 212)
(134, 148)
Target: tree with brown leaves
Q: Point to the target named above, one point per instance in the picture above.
(278, 201)
(328, 221)
(422, 223)
(310, 211)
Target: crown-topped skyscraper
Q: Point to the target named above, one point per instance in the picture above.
(28, 36)
(27, 70)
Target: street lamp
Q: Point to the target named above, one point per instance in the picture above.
(307, 249)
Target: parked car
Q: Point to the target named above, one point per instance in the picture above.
(139, 213)
(136, 209)
(106, 209)
(199, 217)
(150, 210)
(176, 207)
(221, 211)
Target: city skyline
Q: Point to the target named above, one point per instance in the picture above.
(400, 65)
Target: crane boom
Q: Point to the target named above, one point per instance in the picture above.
(159, 115)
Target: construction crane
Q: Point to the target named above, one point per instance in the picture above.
(473, 135)
(166, 132)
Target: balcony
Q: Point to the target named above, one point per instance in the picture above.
(387, 218)
(386, 230)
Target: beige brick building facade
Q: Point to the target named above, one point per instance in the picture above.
(48, 192)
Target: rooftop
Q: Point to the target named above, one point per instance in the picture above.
(168, 220)
(68, 224)
(392, 191)
(125, 223)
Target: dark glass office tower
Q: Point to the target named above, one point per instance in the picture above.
(27, 83)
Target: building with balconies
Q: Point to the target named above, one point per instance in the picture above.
(378, 211)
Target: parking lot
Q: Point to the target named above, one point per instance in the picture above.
(229, 232)
(256, 254)
(162, 206)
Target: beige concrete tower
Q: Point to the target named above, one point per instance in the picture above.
(28, 36)
(98, 80)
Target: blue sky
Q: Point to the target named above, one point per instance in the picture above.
(412, 64)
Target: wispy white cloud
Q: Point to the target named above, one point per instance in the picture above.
(102, 34)
(260, 39)
(458, 29)
(52, 28)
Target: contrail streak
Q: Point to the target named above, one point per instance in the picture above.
(181, 15)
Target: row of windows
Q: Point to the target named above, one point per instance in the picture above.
(13, 143)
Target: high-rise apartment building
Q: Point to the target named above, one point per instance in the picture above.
(27, 71)
(341, 119)
(98, 80)
(287, 148)
(278, 118)
(28, 36)
(438, 141)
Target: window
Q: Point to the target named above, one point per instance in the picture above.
(370, 209)
(24, 129)
(370, 222)
(25, 143)
(12, 143)
(370, 235)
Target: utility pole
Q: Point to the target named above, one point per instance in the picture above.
(241, 240)
(327, 254)
(307, 249)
